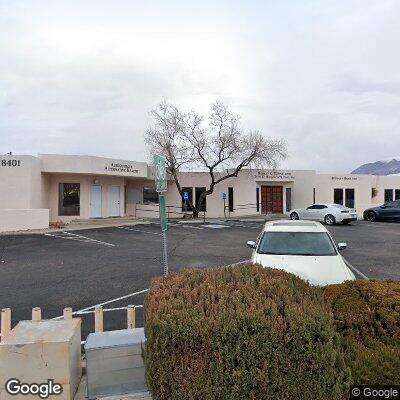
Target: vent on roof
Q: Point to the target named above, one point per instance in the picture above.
(294, 223)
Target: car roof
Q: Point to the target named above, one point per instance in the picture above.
(293, 226)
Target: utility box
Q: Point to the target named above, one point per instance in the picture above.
(114, 363)
(36, 351)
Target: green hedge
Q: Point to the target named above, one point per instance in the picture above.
(241, 332)
(367, 316)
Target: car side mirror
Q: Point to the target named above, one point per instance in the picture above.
(342, 246)
(251, 244)
(383, 206)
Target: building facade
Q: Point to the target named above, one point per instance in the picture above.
(36, 191)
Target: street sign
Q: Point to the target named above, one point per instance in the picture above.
(160, 172)
(163, 212)
(185, 195)
(224, 196)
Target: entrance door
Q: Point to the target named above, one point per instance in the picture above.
(113, 201)
(95, 201)
(272, 199)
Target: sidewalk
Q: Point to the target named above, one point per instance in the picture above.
(81, 394)
(84, 224)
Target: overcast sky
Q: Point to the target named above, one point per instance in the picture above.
(79, 77)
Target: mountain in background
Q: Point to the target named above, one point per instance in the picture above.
(390, 166)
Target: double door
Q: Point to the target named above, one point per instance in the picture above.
(272, 199)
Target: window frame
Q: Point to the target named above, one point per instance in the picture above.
(61, 199)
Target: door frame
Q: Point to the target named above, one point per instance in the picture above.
(101, 201)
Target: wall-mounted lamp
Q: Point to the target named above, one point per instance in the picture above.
(95, 181)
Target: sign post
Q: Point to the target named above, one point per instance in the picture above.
(224, 198)
(160, 172)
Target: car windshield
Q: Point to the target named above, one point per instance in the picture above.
(297, 243)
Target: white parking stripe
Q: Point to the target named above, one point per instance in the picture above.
(138, 230)
(82, 310)
(244, 226)
(355, 269)
(77, 238)
(185, 226)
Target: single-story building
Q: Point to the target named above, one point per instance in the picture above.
(36, 190)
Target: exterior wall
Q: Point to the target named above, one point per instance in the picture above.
(86, 182)
(30, 183)
(21, 220)
(20, 182)
(65, 164)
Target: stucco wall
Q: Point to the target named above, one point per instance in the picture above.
(86, 181)
(20, 182)
(20, 220)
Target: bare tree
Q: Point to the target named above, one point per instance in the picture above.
(220, 147)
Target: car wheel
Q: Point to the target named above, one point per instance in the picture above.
(294, 216)
(370, 216)
(330, 219)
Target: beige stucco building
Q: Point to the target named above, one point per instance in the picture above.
(48, 188)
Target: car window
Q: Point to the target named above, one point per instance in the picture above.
(316, 207)
(391, 204)
(297, 243)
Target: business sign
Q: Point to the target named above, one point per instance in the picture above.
(344, 178)
(117, 167)
(160, 171)
(224, 196)
(185, 195)
(163, 212)
(273, 174)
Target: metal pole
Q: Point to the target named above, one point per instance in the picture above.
(165, 254)
(224, 209)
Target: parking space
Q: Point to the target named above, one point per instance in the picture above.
(87, 267)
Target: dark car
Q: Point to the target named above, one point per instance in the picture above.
(389, 211)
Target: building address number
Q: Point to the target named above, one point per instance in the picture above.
(10, 163)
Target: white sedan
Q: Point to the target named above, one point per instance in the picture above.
(303, 248)
(328, 213)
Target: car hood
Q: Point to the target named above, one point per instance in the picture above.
(324, 270)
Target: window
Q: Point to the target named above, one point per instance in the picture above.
(230, 199)
(392, 204)
(150, 196)
(397, 194)
(203, 205)
(297, 243)
(350, 198)
(317, 207)
(338, 196)
(288, 199)
(388, 195)
(258, 199)
(185, 203)
(69, 199)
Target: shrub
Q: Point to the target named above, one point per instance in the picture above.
(242, 332)
(367, 315)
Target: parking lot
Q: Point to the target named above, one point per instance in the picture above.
(87, 267)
